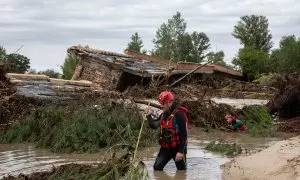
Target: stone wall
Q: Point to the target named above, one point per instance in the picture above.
(104, 76)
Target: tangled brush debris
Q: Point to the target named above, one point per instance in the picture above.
(13, 107)
(207, 86)
(291, 125)
(208, 114)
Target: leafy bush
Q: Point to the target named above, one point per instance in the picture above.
(81, 129)
(258, 121)
(224, 148)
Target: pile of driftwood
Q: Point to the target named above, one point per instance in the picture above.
(208, 86)
(13, 106)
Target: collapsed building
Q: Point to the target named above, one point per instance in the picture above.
(118, 71)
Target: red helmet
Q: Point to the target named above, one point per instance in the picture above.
(165, 97)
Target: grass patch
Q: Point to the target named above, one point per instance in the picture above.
(80, 128)
(258, 121)
(224, 148)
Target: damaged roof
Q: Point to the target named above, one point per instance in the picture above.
(144, 65)
(124, 62)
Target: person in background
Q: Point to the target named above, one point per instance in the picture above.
(236, 124)
(173, 124)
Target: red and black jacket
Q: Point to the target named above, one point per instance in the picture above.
(177, 123)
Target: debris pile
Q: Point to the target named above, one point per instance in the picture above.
(206, 87)
(10, 107)
(208, 114)
(13, 106)
(43, 87)
(291, 125)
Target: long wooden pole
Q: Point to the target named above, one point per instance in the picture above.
(138, 141)
(191, 72)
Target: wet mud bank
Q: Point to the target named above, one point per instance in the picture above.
(279, 161)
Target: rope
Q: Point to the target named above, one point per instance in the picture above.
(140, 133)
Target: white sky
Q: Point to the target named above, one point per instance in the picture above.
(47, 28)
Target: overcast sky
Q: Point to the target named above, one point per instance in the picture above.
(47, 28)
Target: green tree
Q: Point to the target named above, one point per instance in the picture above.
(287, 57)
(51, 73)
(216, 57)
(69, 65)
(172, 42)
(184, 48)
(136, 43)
(253, 32)
(19, 63)
(32, 71)
(166, 42)
(48, 72)
(2, 53)
(252, 62)
(201, 44)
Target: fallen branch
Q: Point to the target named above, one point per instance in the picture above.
(191, 72)
(18, 49)
(140, 133)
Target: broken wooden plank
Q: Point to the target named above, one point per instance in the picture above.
(28, 76)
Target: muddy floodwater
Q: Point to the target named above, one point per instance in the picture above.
(22, 158)
(25, 158)
(201, 165)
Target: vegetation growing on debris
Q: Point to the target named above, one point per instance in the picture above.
(224, 148)
(80, 128)
(258, 121)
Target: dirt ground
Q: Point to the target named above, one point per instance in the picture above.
(279, 161)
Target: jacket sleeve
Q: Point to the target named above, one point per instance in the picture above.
(181, 122)
(152, 122)
(237, 124)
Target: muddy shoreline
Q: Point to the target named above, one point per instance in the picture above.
(279, 161)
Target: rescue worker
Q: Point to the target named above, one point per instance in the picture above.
(235, 123)
(173, 124)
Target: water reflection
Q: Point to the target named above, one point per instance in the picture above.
(200, 165)
(179, 175)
